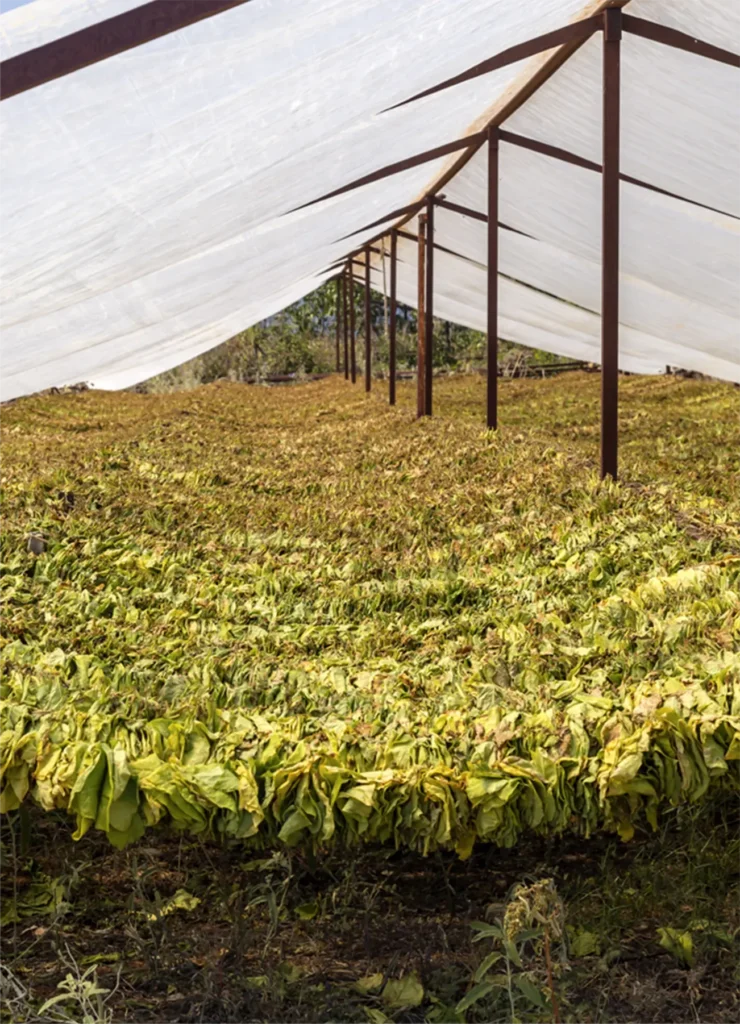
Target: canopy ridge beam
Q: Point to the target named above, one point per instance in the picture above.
(548, 68)
(527, 85)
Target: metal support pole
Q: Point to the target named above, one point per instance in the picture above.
(352, 331)
(368, 325)
(392, 322)
(610, 244)
(339, 320)
(420, 318)
(346, 278)
(429, 311)
(492, 322)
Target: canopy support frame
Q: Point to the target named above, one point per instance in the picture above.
(392, 320)
(421, 318)
(610, 243)
(429, 310)
(492, 283)
(368, 326)
(352, 331)
(347, 283)
(339, 324)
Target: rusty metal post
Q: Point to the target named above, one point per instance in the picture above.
(352, 331)
(429, 310)
(492, 322)
(610, 244)
(346, 278)
(420, 319)
(368, 325)
(392, 322)
(339, 320)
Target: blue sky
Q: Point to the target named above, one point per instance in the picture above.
(8, 5)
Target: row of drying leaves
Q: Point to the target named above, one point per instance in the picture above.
(294, 615)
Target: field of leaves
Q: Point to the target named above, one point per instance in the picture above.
(296, 615)
(297, 619)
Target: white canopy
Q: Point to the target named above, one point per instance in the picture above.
(145, 200)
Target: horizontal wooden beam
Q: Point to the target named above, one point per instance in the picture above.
(104, 39)
(413, 208)
(465, 211)
(576, 31)
(442, 248)
(399, 166)
(402, 211)
(681, 40)
(546, 149)
(348, 259)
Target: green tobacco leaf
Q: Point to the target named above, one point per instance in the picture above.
(182, 900)
(678, 943)
(369, 984)
(583, 943)
(307, 911)
(376, 1016)
(244, 632)
(403, 993)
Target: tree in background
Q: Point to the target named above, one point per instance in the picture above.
(301, 340)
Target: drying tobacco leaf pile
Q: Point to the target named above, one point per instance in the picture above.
(296, 616)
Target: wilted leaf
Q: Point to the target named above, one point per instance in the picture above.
(583, 943)
(402, 993)
(678, 943)
(307, 911)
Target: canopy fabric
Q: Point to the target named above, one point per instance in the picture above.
(145, 200)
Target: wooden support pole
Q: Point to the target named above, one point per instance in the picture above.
(346, 282)
(610, 244)
(339, 321)
(368, 324)
(492, 321)
(429, 310)
(392, 322)
(352, 331)
(420, 319)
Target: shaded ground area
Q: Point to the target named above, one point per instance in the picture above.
(286, 938)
